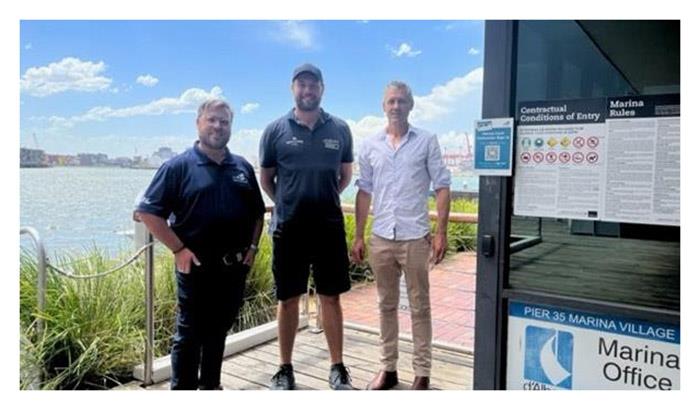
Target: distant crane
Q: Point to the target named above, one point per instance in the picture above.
(469, 146)
(36, 142)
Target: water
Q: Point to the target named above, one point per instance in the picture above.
(75, 208)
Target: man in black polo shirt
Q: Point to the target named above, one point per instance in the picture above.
(218, 217)
(306, 161)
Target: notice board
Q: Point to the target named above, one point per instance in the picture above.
(613, 159)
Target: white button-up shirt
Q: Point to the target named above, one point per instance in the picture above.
(399, 181)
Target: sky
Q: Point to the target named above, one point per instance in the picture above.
(125, 88)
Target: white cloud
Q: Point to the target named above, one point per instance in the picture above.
(249, 107)
(365, 127)
(188, 101)
(473, 51)
(147, 80)
(297, 33)
(69, 74)
(442, 97)
(431, 107)
(456, 25)
(246, 142)
(404, 49)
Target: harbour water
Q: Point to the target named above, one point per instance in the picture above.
(77, 208)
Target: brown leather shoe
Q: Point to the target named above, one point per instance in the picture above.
(384, 381)
(421, 383)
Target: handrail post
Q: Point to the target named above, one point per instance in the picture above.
(41, 275)
(40, 289)
(319, 314)
(305, 304)
(150, 328)
(317, 327)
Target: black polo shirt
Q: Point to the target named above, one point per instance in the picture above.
(215, 206)
(308, 166)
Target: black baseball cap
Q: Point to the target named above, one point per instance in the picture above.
(307, 68)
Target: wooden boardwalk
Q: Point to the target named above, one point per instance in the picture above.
(253, 368)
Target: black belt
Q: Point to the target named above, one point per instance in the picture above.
(233, 257)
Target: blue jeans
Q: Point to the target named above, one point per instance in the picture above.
(209, 298)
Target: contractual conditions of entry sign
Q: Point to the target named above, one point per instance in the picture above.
(552, 348)
(493, 147)
(613, 159)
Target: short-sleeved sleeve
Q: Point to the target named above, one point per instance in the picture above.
(439, 174)
(347, 146)
(160, 196)
(258, 204)
(268, 153)
(364, 181)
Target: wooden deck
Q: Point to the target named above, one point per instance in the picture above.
(253, 368)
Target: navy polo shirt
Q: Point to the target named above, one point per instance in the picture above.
(214, 206)
(308, 166)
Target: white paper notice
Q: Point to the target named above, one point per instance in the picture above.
(642, 184)
(560, 170)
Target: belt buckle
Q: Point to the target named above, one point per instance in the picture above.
(228, 258)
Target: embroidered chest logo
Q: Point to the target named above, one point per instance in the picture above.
(331, 144)
(294, 141)
(240, 178)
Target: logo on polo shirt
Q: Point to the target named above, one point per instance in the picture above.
(240, 178)
(294, 141)
(549, 356)
(330, 143)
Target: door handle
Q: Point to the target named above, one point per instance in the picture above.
(486, 245)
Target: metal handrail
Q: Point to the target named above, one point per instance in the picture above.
(432, 215)
(105, 273)
(150, 320)
(42, 262)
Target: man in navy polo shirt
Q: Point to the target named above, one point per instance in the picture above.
(216, 217)
(306, 162)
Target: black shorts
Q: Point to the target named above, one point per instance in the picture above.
(301, 247)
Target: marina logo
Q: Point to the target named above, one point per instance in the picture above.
(294, 141)
(240, 178)
(549, 356)
(330, 143)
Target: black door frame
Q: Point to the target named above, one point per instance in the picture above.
(494, 231)
(493, 256)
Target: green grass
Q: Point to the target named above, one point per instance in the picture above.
(460, 236)
(95, 328)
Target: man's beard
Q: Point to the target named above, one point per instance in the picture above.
(309, 104)
(212, 143)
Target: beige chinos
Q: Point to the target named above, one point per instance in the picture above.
(388, 260)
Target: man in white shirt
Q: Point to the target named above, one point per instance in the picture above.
(397, 167)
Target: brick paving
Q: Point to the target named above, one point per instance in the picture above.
(452, 295)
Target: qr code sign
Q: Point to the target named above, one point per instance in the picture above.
(493, 152)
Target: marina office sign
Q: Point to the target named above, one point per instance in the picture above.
(551, 348)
